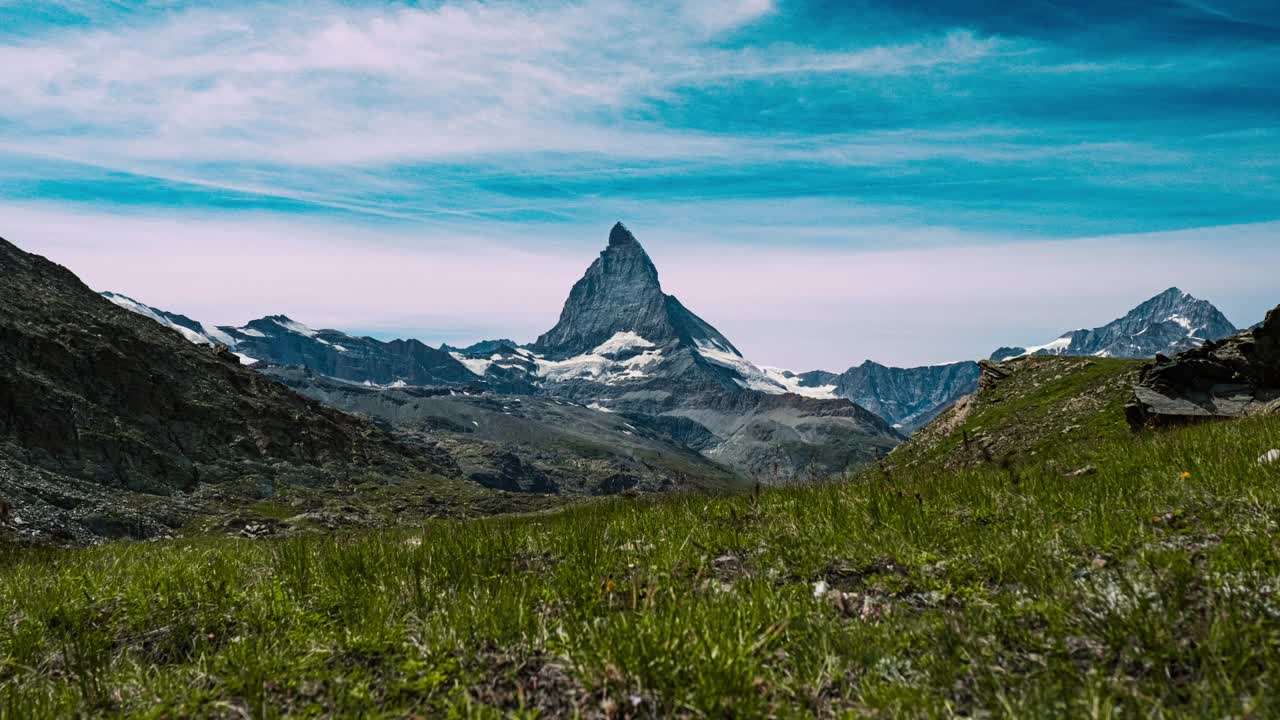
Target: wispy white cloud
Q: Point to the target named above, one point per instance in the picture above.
(324, 84)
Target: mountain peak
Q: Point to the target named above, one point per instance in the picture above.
(1167, 323)
(620, 292)
(621, 236)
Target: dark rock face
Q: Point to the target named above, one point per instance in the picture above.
(1233, 378)
(1168, 323)
(483, 347)
(1006, 353)
(93, 393)
(907, 397)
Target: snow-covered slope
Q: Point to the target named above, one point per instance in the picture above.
(192, 330)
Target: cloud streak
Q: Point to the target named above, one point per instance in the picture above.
(317, 85)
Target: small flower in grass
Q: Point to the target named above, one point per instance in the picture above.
(608, 585)
(1185, 476)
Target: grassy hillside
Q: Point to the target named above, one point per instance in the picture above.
(1046, 408)
(925, 588)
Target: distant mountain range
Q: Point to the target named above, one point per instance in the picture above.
(622, 345)
(907, 397)
(280, 340)
(1168, 323)
(166, 418)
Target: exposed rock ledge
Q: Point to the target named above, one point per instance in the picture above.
(1236, 377)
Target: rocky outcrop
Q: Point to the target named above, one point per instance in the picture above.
(992, 373)
(1168, 323)
(1233, 378)
(1026, 411)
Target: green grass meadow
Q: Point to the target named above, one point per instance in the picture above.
(1150, 588)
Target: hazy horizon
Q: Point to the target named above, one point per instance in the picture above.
(823, 182)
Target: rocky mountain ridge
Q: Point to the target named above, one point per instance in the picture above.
(906, 397)
(1168, 323)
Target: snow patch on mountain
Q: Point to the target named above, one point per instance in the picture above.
(621, 342)
(750, 376)
(478, 366)
(795, 386)
(1058, 347)
(596, 367)
(205, 335)
(296, 327)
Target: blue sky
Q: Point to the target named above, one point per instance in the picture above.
(824, 181)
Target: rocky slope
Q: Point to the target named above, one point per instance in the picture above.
(620, 295)
(1168, 323)
(523, 443)
(1236, 377)
(110, 399)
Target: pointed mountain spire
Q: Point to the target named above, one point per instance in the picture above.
(620, 235)
(620, 292)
